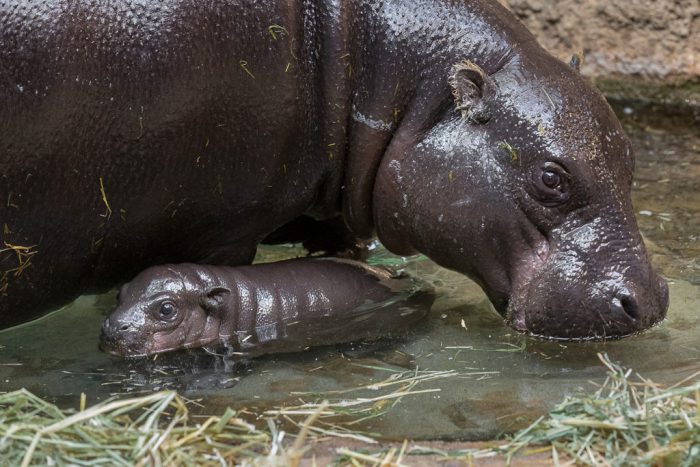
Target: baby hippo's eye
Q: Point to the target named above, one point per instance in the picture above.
(167, 310)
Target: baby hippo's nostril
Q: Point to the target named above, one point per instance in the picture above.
(627, 304)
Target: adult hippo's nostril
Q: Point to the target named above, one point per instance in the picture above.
(627, 304)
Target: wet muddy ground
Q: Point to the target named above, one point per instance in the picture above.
(501, 380)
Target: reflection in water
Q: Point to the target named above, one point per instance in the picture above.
(666, 192)
(504, 379)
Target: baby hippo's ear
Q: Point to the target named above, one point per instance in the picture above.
(214, 298)
(473, 90)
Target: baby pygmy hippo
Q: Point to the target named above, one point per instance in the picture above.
(277, 307)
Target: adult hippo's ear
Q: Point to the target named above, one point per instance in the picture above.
(576, 61)
(472, 89)
(213, 298)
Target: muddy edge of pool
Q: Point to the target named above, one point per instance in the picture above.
(632, 50)
(326, 452)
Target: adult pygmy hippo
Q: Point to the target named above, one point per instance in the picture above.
(251, 310)
(136, 133)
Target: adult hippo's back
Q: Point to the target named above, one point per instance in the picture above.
(135, 133)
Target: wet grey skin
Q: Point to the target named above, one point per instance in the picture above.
(251, 310)
(140, 133)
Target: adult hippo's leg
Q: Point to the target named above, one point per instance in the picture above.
(331, 237)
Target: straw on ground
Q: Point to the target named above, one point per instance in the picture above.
(627, 421)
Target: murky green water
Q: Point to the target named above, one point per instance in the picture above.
(504, 379)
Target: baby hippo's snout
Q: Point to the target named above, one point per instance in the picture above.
(118, 336)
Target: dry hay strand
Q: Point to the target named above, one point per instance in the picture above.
(157, 429)
(627, 421)
(152, 430)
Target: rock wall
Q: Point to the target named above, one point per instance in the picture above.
(648, 49)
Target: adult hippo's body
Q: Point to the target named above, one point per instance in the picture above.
(135, 133)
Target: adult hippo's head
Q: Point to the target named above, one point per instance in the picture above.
(521, 179)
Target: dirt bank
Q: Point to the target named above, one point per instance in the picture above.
(632, 48)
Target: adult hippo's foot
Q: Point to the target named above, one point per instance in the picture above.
(252, 310)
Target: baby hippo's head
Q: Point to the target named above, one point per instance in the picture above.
(164, 308)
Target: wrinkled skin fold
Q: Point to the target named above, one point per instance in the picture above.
(140, 133)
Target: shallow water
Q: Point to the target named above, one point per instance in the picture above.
(504, 380)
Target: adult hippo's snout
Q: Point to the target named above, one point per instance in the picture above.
(587, 287)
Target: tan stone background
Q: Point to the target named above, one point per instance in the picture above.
(647, 47)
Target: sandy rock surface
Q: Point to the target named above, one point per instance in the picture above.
(640, 40)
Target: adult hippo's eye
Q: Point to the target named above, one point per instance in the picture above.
(551, 184)
(167, 310)
(551, 179)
